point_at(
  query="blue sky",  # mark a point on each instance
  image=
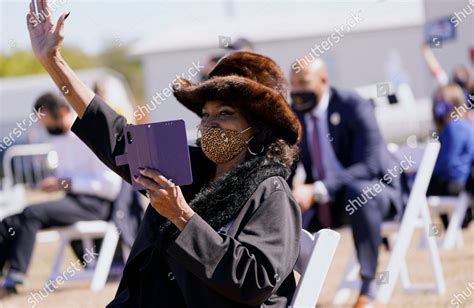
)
(93, 24)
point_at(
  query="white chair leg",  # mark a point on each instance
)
(55, 270)
(399, 250)
(451, 238)
(459, 241)
(434, 252)
(106, 255)
(88, 245)
(404, 276)
(350, 281)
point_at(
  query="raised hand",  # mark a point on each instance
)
(46, 37)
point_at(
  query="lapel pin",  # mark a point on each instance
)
(335, 118)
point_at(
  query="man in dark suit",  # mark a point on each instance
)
(347, 165)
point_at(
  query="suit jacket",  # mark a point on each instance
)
(357, 143)
(248, 264)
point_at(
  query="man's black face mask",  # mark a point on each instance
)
(460, 82)
(55, 130)
(303, 101)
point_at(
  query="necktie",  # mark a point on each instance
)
(319, 216)
(316, 153)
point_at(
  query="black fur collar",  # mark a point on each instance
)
(223, 199)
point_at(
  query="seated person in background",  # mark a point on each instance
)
(457, 143)
(344, 157)
(90, 189)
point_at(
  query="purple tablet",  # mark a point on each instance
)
(162, 146)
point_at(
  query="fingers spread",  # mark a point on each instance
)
(40, 5)
(29, 24)
(44, 13)
(44, 5)
(32, 7)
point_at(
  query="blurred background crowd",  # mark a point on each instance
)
(411, 61)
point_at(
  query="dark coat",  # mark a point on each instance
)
(358, 146)
(248, 263)
(127, 213)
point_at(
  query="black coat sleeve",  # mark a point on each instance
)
(249, 268)
(101, 129)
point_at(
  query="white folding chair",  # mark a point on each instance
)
(12, 200)
(87, 231)
(456, 208)
(416, 215)
(22, 166)
(316, 254)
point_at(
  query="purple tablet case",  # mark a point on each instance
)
(162, 146)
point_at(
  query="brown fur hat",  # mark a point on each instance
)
(253, 83)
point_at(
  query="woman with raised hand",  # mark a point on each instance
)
(231, 238)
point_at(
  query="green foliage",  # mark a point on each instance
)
(20, 63)
(117, 59)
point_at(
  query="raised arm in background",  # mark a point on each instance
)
(433, 64)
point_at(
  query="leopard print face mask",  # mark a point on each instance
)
(221, 145)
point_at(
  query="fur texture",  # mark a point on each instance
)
(249, 81)
(223, 200)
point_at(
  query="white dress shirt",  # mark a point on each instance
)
(87, 173)
(329, 160)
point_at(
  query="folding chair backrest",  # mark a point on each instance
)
(423, 175)
(25, 163)
(316, 254)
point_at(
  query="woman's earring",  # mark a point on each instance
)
(253, 153)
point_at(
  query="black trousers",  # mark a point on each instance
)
(18, 232)
(366, 220)
(440, 187)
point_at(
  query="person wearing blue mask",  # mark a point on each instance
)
(457, 143)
